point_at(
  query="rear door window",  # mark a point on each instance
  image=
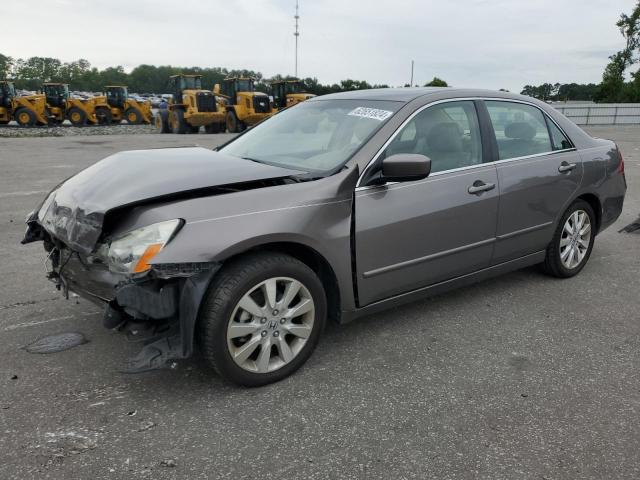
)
(520, 129)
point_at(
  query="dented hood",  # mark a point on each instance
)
(74, 212)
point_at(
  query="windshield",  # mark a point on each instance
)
(313, 136)
(245, 86)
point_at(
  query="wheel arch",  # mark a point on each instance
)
(594, 201)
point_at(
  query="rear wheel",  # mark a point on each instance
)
(162, 122)
(25, 117)
(177, 121)
(77, 117)
(104, 116)
(262, 318)
(569, 251)
(133, 116)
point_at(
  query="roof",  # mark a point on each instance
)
(408, 94)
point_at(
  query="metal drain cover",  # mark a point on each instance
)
(56, 343)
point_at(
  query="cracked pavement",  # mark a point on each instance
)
(521, 376)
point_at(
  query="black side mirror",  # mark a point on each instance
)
(404, 167)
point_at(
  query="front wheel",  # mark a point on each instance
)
(569, 251)
(262, 318)
(133, 116)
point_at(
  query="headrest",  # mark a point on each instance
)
(520, 131)
(445, 137)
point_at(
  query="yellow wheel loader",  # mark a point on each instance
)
(28, 110)
(116, 105)
(245, 106)
(190, 108)
(61, 106)
(287, 93)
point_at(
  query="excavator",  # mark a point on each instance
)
(116, 105)
(190, 108)
(245, 106)
(28, 111)
(61, 106)
(287, 93)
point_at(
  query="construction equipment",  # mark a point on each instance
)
(116, 105)
(246, 107)
(60, 105)
(27, 110)
(287, 93)
(191, 108)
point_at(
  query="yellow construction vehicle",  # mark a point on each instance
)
(28, 110)
(116, 105)
(190, 108)
(245, 106)
(287, 93)
(60, 105)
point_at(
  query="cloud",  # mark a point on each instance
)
(481, 43)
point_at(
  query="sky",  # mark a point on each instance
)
(469, 43)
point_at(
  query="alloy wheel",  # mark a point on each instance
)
(575, 239)
(270, 324)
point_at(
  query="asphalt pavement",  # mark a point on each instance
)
(519, 377)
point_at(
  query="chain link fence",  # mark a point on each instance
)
(601, 113)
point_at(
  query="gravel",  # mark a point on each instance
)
(70, 131)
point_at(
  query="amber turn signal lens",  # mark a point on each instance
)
(149, 253)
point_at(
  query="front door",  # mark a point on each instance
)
(413, 234)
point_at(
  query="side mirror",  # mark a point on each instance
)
(404, 167)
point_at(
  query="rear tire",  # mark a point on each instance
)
(133, 116)
(162, 122)
(572, 243)
(77, 117)
(25, 117)
(177, 121)
(284, 343)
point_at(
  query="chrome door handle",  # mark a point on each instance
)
(479, 186)
(566, 167)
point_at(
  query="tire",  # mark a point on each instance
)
(104, 116)
(177, 122)
(221, 308)
(162, 122)
(24, 117)
(212, 128)
(233, 124)
(77, 117)
(560, 261)
(133, 116)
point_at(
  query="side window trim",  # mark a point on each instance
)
(550, 121)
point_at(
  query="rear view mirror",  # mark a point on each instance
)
(404, 167)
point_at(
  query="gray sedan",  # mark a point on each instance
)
(338, 207)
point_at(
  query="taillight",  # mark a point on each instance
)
(621, 165)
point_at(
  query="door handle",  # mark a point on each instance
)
(566, 167)
(479, 186)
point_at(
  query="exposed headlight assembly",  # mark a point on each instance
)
(132, 252)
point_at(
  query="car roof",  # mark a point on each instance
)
(407, 94)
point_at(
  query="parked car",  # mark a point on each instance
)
(338, 207)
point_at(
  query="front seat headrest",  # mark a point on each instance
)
(445, 137)
(520, 131)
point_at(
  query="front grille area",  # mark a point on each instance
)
(261, 104)
(206, 102)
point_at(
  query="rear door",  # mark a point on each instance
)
(538, 173)
(413, 234)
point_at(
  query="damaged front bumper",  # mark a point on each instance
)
(165, 300)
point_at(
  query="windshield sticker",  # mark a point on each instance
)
(373, 113)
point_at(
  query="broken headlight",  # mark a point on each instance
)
(132, 252)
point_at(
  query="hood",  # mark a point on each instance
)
(74, 212)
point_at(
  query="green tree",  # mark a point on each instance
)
(6, 66)
(436, 82)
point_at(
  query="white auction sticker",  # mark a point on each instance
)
(373, 113)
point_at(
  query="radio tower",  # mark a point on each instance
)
(296, 34)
